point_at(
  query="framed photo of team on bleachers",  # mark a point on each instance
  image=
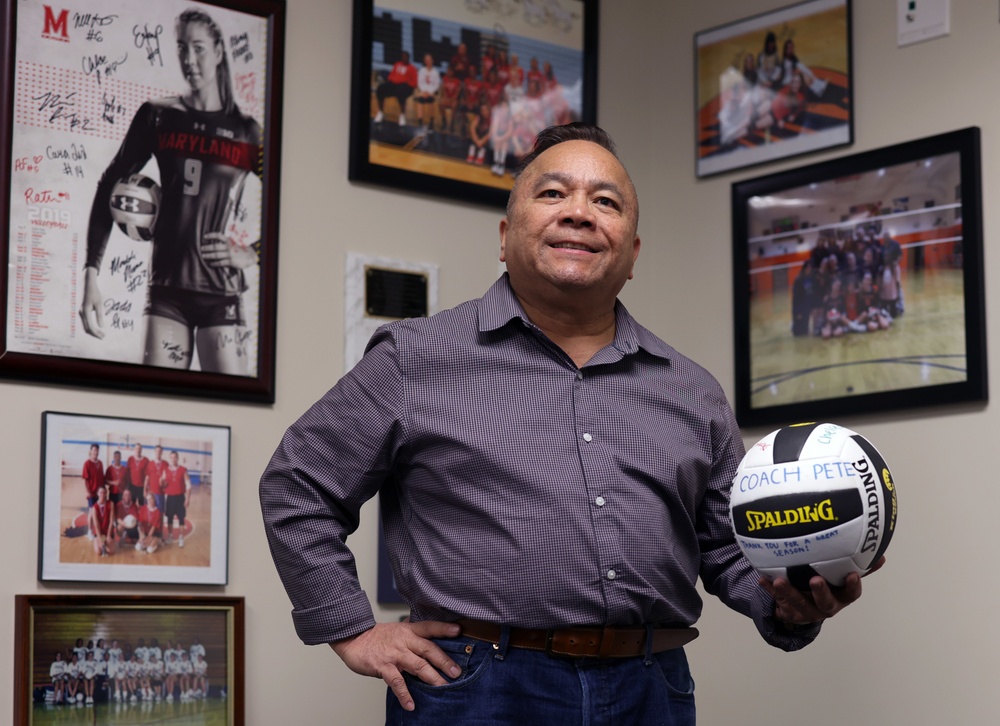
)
(132, 659)
(858, 284)
(775, 85)
(140, 211)
(133, 500)
(448, 96)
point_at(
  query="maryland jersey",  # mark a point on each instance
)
(203, 158)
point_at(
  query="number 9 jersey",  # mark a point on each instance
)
(203, 158)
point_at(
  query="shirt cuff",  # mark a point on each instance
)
(334, 621)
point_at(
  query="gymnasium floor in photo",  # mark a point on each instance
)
(203, 712)
(925, 346)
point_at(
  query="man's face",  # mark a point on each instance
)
(138, 450)
(118, 457)
(572, 223)
(159, 452)
(93, 453)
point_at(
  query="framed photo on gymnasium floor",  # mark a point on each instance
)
(858, 283)
(163, 514)
(775, 85)
(446, 97)
(204, 634)
(139, 201)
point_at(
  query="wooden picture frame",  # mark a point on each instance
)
(141, 207)
(48, 624)
(184, 469)
(434, 157)
(910, 216)
(774, 85)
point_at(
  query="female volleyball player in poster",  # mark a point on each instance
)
(204, 147)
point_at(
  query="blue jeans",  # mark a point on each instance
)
(518, 687)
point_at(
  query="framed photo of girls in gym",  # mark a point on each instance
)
(775, 85)
(133, 500)
(133, 659)
(858, 284)
(448, 96)
(141, 208)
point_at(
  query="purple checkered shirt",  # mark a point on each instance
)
(515, 487)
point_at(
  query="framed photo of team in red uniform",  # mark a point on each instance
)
(859, 284)
(448, 96)
(775, 85)
(128, 659)
(139, 200)
(133, 500)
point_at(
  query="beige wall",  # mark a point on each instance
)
(921, 648)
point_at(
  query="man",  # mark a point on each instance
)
(150, 539)
(101, 525)
(154, 476)
(400, 84)
(137, 466)
(124, 508)
(177, 487)
(93, 478)
(553, 479)
(114, 478)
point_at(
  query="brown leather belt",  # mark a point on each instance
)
(606, 642)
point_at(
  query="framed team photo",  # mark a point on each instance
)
(448, 95)
(128, 659)
(133, 500)
(139, 197)
(775, 85)
(858, 284)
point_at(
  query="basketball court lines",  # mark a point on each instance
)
(770, 383)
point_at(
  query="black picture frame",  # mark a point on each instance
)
(745, 115)
(795, 356)
(79, 73)
(435, 163)
(48, 624)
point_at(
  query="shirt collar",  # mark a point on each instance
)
(499, 306)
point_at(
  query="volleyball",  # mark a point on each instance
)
(129, 521)
(135, 202)
(813, 499)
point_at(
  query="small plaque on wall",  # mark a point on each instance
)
(395, 294)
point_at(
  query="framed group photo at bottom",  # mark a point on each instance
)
(133, 500)
(162, 659)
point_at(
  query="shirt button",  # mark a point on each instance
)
(599, 501)
(612, 574)
(579, 375)
(588, 437)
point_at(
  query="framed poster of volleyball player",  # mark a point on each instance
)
(447, 96)
(128, 659)
(858, 283)
(133, 500)
(774, 85)
(139, 197)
